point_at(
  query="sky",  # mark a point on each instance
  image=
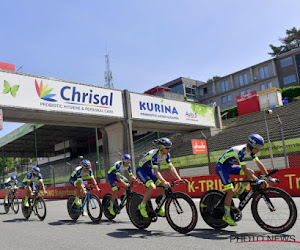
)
(149, 42)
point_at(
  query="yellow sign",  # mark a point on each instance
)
(266, 91)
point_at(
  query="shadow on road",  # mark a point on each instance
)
(70, 222)
(142, 234)
(19, 220)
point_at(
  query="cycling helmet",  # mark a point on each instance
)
(255, 141)
(164, 142)
(126, 158)
(13, 177)
(36, 170)
(86, 163)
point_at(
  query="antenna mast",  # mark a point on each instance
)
(108, 73)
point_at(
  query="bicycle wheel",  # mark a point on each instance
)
(211, 214)
(181, 212)
(73, 210)
(106, 203)
(94, 208)
(134, 213)
(40, 208)
(6, 205)
(274, 210)
(15, 204)
(26, 210)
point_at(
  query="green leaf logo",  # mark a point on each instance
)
(13, 90)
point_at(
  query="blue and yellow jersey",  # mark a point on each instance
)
(79, 173)
(153, 158)
(9, 184)
(30, 177)
(118, 167)
(236, 156)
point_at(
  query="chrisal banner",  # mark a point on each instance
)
(196, 187)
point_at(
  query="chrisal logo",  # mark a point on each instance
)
(199, 147)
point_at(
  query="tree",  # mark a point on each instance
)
(215, 78)
(290, 42)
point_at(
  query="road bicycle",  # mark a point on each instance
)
(272, 208)
(93, 203)
(36, 205)
(124, 201)
(180, 210)
(12, 202)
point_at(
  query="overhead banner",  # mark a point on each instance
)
(1, 119)
(159, 109)
(27, 91)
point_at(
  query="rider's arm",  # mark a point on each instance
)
(43, 186)
(159, 176)
(174, 172)
(261, 166)
(95, 183)
(120, 180)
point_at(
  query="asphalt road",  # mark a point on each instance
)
(59, 231)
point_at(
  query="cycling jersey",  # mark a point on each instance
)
(9, 184)
(78, 173)
(150, 161)
(230, 163)
(115, 170)
(31, 178)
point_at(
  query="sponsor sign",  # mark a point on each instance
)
(247, 103)
(246, 96)
(30, 92)
(199, 147)
(159, 109)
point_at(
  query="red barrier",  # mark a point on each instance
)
(289, 181)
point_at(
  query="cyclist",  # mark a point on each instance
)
(148, 173)
(114, 175)
(232, 162)
(28, 183)
(10, 184)
(84, 170)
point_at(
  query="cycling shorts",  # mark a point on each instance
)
(223, 171)
(74, 181)
(112, 178)
(147, 176)
(31, 185)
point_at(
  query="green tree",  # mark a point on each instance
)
(215, 78)
(290, 42)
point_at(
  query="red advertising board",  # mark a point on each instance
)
(1, 119)
(247, 103)
(199, 147)
(7, 66)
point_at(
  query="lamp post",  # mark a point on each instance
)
(283, 143)
(269, 111)
(35, 143)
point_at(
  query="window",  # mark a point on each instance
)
(286, 62)
(229, 98)
(243, 79)
(289, 79)
(248, 90)
(223, 99)
(190, 90)
(242, 92)
(204, 91)
(264, 72)
(178, 89)
(269, 85)
(224, 86)
(262, 87)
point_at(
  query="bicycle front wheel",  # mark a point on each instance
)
(274, 210)
(15, 204)
(6, 206)
(181, 212)
(40, 208)
(94, 208)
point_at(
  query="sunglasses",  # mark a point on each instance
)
(167, 148)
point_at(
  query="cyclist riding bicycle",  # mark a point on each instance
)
(232, 162)
(28, 183)
(148, 173)
(10, 184)
(114, 175)
(84, 170)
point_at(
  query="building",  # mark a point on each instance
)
(279, 72)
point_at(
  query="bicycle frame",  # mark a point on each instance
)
(86, 198)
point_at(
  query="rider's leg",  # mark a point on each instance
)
(27, 194)
(79, 187)
(142, 207)
(6, 195)
(243, 184)
(227, 204)
(112, 200)
(161, 211)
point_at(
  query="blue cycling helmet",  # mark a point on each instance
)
(86, 163)
(164, 142)
(36, 170)
(13, 177)
(126, 158)
(255, 141)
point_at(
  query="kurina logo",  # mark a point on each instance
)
(158, 108)
(12, 89)
(43, 92)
